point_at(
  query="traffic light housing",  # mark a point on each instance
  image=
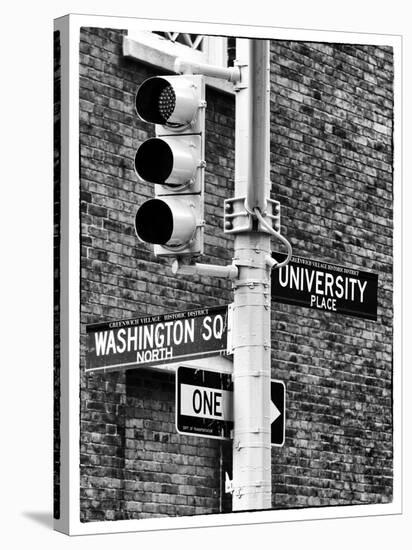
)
(174, 162)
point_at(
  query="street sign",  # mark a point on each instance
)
(156, 340)
(204, 405)
(277, 412)
(325, 286)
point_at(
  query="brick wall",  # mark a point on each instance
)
(331, 169)
(331, 145)
(134, 464)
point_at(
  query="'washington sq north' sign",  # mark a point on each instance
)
(325, 286)
(158, 339)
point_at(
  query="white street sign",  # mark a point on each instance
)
(201, 402)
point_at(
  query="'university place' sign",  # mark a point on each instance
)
(325, 286)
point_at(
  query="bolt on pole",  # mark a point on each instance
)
(251, 306)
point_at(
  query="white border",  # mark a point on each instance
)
(70, 512)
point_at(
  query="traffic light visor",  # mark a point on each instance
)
(170, 161)
(168, 222)
(154, 222)
(154, 160)
(172, 102)
(156, 100)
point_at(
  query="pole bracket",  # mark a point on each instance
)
(241, 84)
(208, 270)
(237, 218)
(186, 66)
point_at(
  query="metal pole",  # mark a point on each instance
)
(251, 308)
(258, 188)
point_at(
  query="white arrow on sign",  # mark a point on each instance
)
(274, 412)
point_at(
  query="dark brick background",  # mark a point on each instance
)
(332, 171)
(331, 161)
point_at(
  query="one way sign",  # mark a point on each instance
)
(204, 405)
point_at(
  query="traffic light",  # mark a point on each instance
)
(174, 162)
